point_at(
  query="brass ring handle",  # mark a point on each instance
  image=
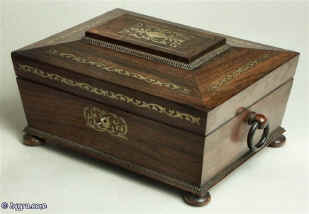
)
(257, 121)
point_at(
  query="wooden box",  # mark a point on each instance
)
(174, 103)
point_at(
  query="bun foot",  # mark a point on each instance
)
(30, 140)
(196, 201)
(278, 142)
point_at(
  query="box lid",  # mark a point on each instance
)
(153, 38)
(148, 66)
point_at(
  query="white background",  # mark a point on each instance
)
(274, 181)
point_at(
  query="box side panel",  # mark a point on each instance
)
(253, 93)
(228, 143)
(167, 151)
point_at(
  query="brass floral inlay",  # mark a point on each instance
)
(103, 121)
(110, 94)
(157, 35)
(119, 71)
(229, 77)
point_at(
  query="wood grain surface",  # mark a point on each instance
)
(153, 145)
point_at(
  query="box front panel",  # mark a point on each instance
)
(71, 80)
(228, 143)
(163, 149)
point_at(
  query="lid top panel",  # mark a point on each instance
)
(155, 37)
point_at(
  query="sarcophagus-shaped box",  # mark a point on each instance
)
(174, 103)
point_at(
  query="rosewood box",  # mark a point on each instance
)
(177, 104)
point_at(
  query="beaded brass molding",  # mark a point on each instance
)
(160, 59)
(229, 77)
(103, 121)
(157, 35)
(110, 94)
(120, 71)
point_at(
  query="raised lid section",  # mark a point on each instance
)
(156, 38)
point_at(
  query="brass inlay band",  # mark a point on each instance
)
(155, 34)
(229, 77)
(110, 94)
(120, 71)
(103, 121)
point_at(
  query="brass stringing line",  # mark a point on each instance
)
(111, 95)
(219, 83)
(119, 71)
